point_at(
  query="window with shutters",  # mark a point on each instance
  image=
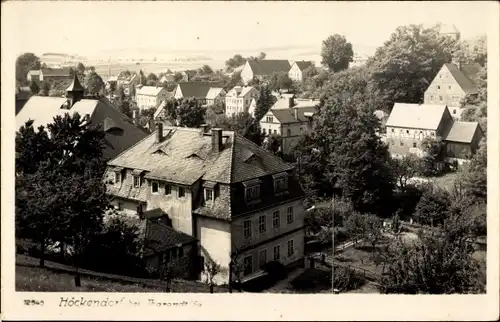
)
(276, 219)
(262, 224)
(289, 215)
(247, 229)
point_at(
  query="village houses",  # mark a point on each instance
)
(48, 74)
(290, 118)
(452, 83)
(150, 96)
(261, 69)
(241, 99)
(206, 93)
(240, 203)
(128, 83)
(120, 132)
(409, 125)
(296, 72)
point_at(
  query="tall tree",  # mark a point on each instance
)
(190, 113)
(94, 83)
(206, 70)
(432, 209)
(272, 144)
(336, 53)
(264, 102)
(25, 63)
(235, 61)
(152, 77)
(406, 64)
(34, 87)
(405, 169)
(80, 68)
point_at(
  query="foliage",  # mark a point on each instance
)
(432, 209)
(279, 81)
(272, 143)
(405, 168)
(343, 150)
(34, 87)
(433, 149)
(472, 177)
(234, 80)
(61, 195)
(25, 63)
(80, 68)
(475, 106)
(206, 70)
(177, 77)
(152, 77)
(148, 112)
(336, 53)
(94, 83)
(235, 61)
(406, 64)
(186, 112)
(264, 102)
(212, 269)
(44, 88)
(439, 263)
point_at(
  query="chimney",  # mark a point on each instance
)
(290, 102)
(159, 132)
(135, 116)
(216, 140)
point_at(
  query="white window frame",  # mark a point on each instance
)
(118, 177)
(262, 223)
(157, 187)
(276, 219)
(206, 192)
(289, 215)
(288, 243)
(247, 231)
(276, 247)
(137, 185)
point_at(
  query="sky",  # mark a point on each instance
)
(100, 28)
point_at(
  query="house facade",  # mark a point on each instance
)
(150, 96)
(289, 118)
(409, 125)
(128, 83)
(240, 99)
(205, 93)
(240, 203)
(296, 71)
(452, 84)
(261, 69)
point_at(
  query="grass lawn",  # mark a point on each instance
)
(445, 181)
(55, 278)
(362, 256)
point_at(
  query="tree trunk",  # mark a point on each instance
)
(78, 282)
(211, 287)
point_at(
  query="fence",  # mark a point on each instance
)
(366, 274)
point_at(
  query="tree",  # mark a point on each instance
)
(272, 143)
(80, 68)
(142, 78)
(336, 53)
(433, 152)
(152, 77)
(44, 88)
(25, 63)
(432, 209)
(344, 152)
(405, 169)
(64, 197)
(206, 70)
(177, 77)
(439, 263)
(34, 87)
(264, 102)
(472, 177)
(94, 83)
(189, 113)
(245, 125)
(112, 88)
(234, 80)
(236, 61)
(124, 107)
(149, 112)
(407, 63)
(212, 269)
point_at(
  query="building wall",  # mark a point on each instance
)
(178, 209)
(215, 244)
(445, 90)
(126, 206)
(235, 104)
(237, 225)
(401, 140)
(295, 73)
(246, 73)
(298, 246)
(291, 138)
(273, 126)
(182, 264)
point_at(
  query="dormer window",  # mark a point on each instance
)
(280, 182)
(209, 194)
(252, 191)
(137, 181)
(118, 174)
(209, 191)
(137, 174)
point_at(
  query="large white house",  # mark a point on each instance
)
(205, 93)
(241, 99)
(239, 202)
(150, 96)
(296, 72)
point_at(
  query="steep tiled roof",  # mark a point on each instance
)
(185, 156)
(303, 64)
(75, 85)
(159, 237)
(149, 90)
(197, 90)
(269, 66)
(462, 132)
(42, 111)
(417, 116)
(55, 72)
(285, 114)
(463, 81)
